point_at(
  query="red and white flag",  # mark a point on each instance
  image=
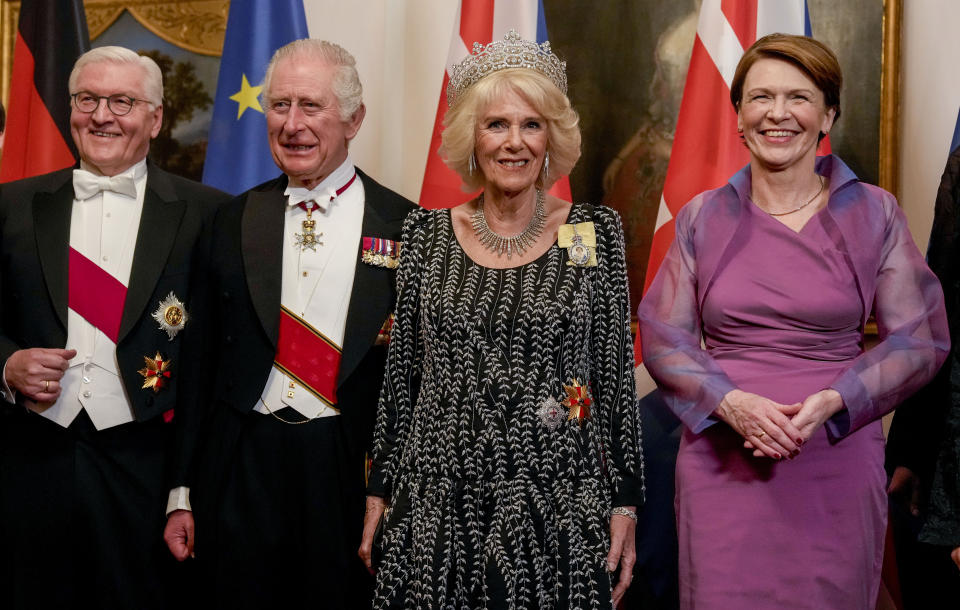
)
(707, 150)
(477, 21)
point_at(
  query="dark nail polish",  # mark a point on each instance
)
(799, 441)
(778, 456)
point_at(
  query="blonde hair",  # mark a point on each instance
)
(563, 124)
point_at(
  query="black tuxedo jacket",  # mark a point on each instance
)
(34, 249)
(238, 314)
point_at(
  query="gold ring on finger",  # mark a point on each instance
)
(761, 434)
(46, 385)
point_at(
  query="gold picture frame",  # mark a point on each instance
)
(889, 169)
(195, 25)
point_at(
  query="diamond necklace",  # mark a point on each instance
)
(796, 209)
(498, 244)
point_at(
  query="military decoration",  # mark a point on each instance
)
(577, 401)
(383, 337)
(309, 239)
(381, 252)
(580, 240)
(156, 374)
(171, 315)
(551, 413)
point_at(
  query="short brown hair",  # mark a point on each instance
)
(812, 57)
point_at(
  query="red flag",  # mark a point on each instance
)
(51, 34)
(477, 21)
(707, 150)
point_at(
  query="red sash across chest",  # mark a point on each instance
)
(95, 295)
(304, 354)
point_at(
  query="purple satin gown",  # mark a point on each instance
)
(782, 319)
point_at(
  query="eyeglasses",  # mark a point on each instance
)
(118, 104)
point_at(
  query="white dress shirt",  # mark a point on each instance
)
(316, 285)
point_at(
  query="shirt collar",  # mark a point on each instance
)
(326, 191)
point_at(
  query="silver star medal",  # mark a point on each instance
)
(551, 413)
(171, 315)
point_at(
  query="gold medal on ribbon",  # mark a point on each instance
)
(171, 315)
(309, 239)
(380, 252)
(580, 240)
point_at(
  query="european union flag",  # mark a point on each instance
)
(238, 153)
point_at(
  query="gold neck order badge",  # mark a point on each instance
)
(309, 239)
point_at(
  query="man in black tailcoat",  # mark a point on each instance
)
(94, 279)
(295, 301)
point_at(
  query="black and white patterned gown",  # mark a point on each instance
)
(491, 508)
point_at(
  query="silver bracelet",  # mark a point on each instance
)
(623, 511)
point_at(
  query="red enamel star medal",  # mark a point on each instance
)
(578, 401)
(156, 374)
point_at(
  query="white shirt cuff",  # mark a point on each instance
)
(5, 392)
(179, 499)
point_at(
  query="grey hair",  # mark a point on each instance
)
(346, 81)
(153, 77)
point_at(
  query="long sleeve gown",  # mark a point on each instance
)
(498, 499)
(782, 314)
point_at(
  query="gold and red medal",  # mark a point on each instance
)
(156, 374)
(577, 401)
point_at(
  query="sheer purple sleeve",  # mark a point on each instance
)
(691, 382)
(914, 337)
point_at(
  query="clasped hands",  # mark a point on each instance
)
(773, 429)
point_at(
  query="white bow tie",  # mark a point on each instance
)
(87, 184)
(321, 196)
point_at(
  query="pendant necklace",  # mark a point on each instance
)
(796, 209)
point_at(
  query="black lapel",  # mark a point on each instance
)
(51, 225)
(371, 297)
(262, 248)
(159, 223)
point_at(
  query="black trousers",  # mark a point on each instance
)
(288, 521)
(82, 514)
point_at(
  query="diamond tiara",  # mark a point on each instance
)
(511, 52)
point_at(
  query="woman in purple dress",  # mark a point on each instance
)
(754, 332)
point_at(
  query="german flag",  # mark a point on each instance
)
(50, 36)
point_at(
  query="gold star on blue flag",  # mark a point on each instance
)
(247, 97)
(238, 153)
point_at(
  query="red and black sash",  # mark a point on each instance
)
(95, 295)
(306, 355)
